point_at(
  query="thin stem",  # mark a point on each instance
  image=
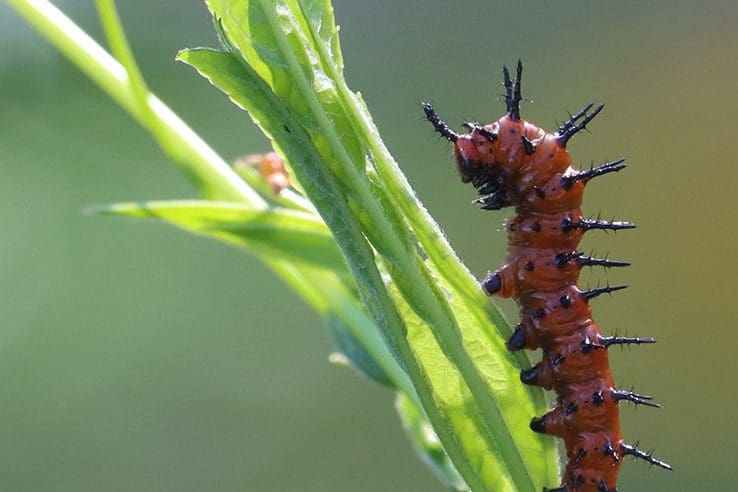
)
(121, 50)
(210, 173)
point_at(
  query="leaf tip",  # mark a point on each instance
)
(96, 209)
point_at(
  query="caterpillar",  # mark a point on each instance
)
(514, 163)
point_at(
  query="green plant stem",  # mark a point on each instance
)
(121, 50)
(412, 278)
(210, 173)
(427, 231)
(425, 228)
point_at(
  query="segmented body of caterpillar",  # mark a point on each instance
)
(512, 162)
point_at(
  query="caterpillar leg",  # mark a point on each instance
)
(500, 283)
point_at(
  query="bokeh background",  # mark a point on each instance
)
(135, 357)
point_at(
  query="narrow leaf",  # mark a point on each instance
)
(355, 353)
(426, 443)
(277, 232)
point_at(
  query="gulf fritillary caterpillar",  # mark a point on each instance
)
(512, 162)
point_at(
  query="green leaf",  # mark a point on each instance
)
(426, 443)
(238, 81)
(359, 358)
(319, 15)
(302, 239)
(275, 58)
(512, 408)
(278, 233)
(328, 295)
(466, 380)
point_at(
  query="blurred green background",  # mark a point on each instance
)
(135, 357)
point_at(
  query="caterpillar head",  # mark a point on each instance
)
(474, 151)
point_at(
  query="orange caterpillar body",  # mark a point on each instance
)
(515, 163)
